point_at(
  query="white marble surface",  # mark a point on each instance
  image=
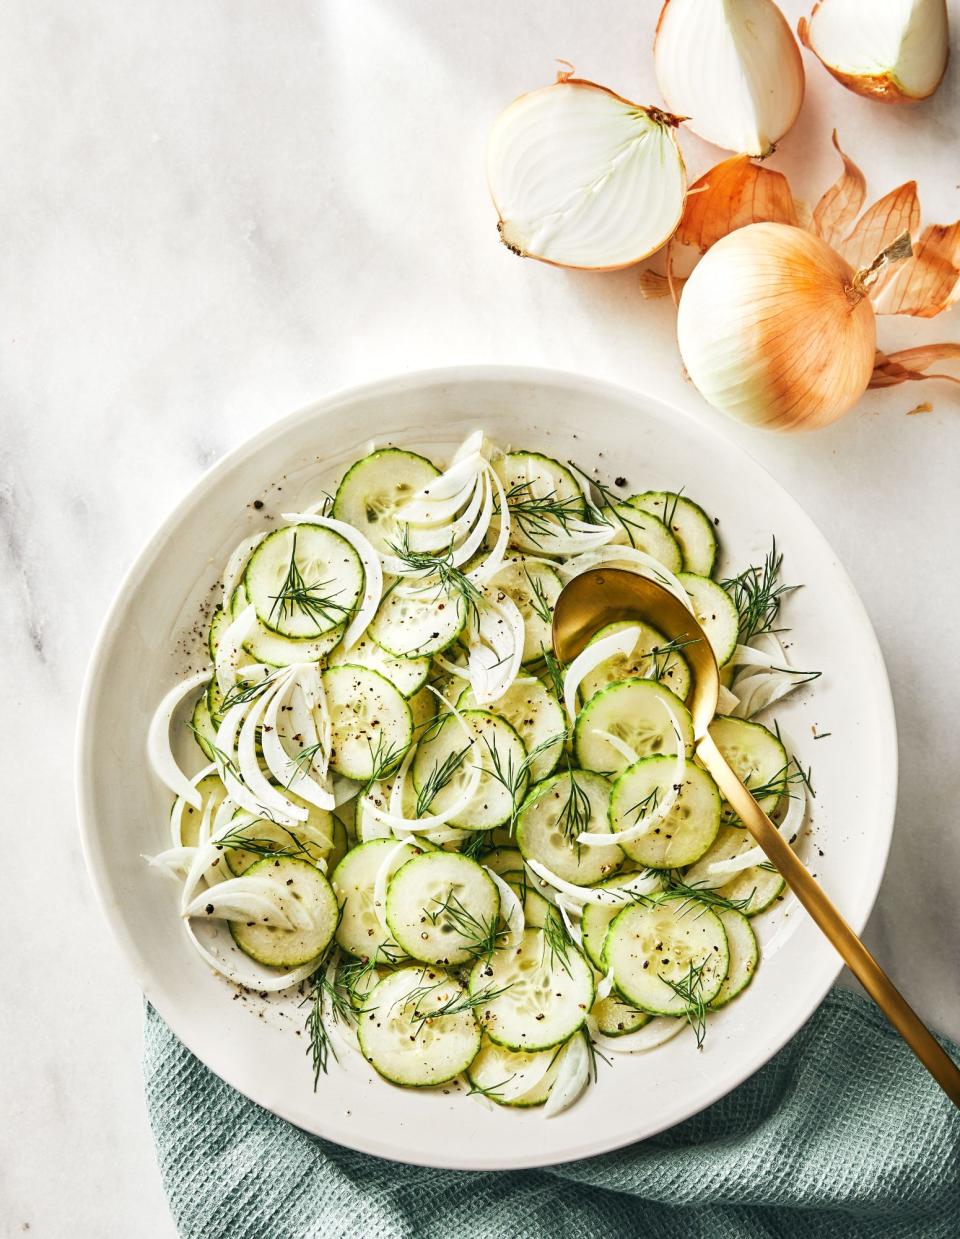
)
(211, 214)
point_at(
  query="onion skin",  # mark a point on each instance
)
(773, 330)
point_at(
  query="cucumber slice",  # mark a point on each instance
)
(535, 588)
(442, 908)
(689, 524)
(341, 845)
(407, 674)
(756, 888)
(555, 812)
(756, 755)
(219, 621)
(375, 488)
(407, 1037)
(304, 580)
(203, 726)
(645, 662)
(716, 613)
(495, 742)
(360, 932)
(539, 996)
(265, 646)
(646, 532)
(596, 921)
(536, 716)
(372, 726)
(633, 711)
(744, 955)
(615, 1017)
(689, 828)
(528, 477)
(511, 1077)
(418, 625)
(288, 948)
(674, 938)
(315, 838)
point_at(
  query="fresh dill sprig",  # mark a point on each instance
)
(670, 506)
(440, 566)
(304, 760)
(778, 784)
(480, 936)
(757, 595)
(556, 944)
(439, 777)
(595, 1053)
(538, 598)
(612, 508)
(489, 1090)
(576, 810)
(645, 806)
(295, 594)
(689, 989)
(476, 845)
(222, 759)
(511, 776)
(660, 655)
(675, 886)
(319, 1045)
(384, 760)
(460, 1000)
(538, 516)
(259, 845)
(554, 671)
(244, 692)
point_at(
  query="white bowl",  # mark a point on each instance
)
(146, 644)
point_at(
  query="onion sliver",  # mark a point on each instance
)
(248, 899)
(573, 1076)
(622, 642)
(631, 560)
(608, 897)
(250, 975)
(790, 827)
(159, 752)
(253, 776)
(658, 1031)
(284, 768)
(176, 813)
(511, 910)
(644, 824)
(236, 565)
(372, 571)
(230, 648)
(581, 177)
(380, 885)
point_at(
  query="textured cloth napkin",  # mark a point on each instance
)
(841, 1136)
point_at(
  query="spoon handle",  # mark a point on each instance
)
(813, 897)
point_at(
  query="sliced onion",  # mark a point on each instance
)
(727, 702)
(659, 1030)
(572, 928)
(236, 566)
(494, 561)
(159, 752)
(236, 787)
(662, 809)
(626, 751)
(243, 970)
(583, 178)
(609, 897)
(759, 691)
(631, 560)
(395, 818)
(573, 1076)
(494, 649)
(230, 648)
(249, 898)
(380, 886)
(511, 909)
(372, 571)
(605, 986)
(253, 776)
(279, 762)
(622, 642)
(451, 533)
(720, 870)
(175, 862)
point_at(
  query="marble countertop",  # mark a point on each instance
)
(214, 213)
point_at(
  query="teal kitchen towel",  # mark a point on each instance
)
(841, 1136)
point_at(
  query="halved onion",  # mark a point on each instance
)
(583, 178)
(895, 51)
(732, 69)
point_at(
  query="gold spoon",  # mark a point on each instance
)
(606, 595)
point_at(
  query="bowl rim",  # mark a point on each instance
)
(195, 495)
